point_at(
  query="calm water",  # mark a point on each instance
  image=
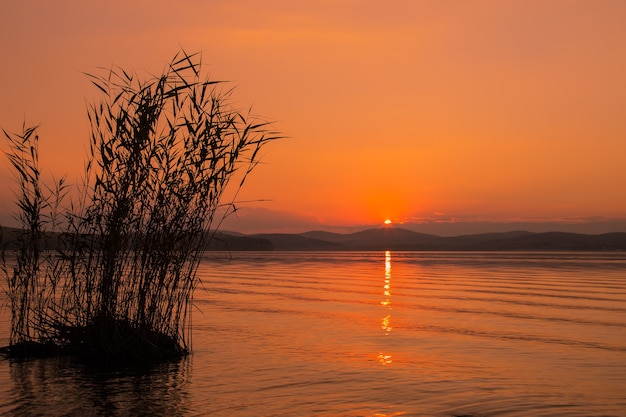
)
(371, 334)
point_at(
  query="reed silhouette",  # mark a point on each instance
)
(120, 286)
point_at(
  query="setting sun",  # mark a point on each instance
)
(387, 221)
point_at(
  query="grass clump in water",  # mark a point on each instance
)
(162, 152)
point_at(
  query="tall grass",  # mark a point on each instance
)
(30, 281)
(162, 151)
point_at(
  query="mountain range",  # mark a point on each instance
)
(395, 238)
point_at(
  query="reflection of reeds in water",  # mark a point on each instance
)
(64, 387)
(162, 152)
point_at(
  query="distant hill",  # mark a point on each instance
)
(8, 236)
(395, 238)
(281, 241)
(237, 242)
(373, 239)
(221, 241)
(556, 241)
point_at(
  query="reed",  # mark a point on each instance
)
(30, 284)
(162, 151)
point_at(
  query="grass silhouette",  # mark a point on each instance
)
(120, 288)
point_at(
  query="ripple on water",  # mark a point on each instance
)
(371, 334)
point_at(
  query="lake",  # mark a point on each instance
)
(375, 334)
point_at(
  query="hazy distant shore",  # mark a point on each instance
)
(394, 238)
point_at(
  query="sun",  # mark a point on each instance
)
(387, 221)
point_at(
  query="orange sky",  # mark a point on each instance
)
(418, 111)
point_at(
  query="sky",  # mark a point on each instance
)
(444, 116)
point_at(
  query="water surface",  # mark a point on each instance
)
(371, 334)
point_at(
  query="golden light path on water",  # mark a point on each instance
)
(385, 359)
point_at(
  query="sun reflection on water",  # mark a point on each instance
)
(387, 283)
(385, 359)
(385, 324)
